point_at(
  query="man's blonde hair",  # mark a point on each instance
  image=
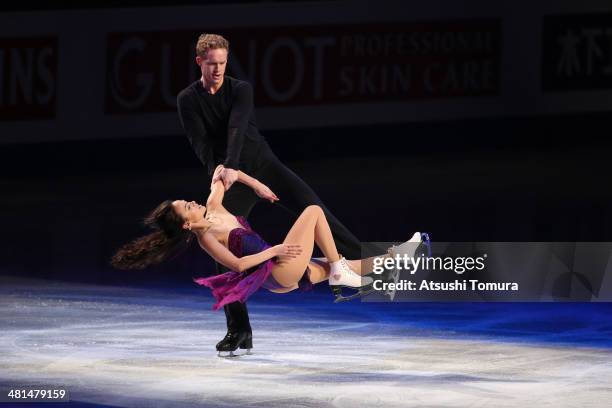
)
(210, 42)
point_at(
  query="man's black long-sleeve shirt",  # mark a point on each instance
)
(221, 126)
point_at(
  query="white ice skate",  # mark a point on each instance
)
(408, 248)
(341, 275)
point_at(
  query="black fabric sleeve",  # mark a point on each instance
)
(193, 124)
(242, 106)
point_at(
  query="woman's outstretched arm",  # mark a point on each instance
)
(248, 180)
(217, 188)
(260, 189)
(224, 256)
(215, 198)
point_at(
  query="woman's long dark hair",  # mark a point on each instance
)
(167, 240)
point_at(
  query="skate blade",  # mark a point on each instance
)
(361, 293)
(233, 355)
(336, 288)
(227, 356)
(391, 294)
(393, 277)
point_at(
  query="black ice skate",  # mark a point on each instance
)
(234, 340)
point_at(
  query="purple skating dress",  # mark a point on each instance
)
(233, 286)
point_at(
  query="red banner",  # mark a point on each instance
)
(313, 65)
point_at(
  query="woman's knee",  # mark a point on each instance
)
(314, 210)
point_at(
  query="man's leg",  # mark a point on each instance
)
(295, 195)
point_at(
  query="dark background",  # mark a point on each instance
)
(66, 206)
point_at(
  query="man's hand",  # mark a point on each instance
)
(227, 176)
(264, 192)
(217, 172)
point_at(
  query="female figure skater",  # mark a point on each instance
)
(252, 262)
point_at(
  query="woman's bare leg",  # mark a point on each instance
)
(319, 270)
(310, 227)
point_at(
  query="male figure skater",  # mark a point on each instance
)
(217, 113)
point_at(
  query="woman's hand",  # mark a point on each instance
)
(264, 192)
(287, 250)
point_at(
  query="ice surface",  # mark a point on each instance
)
(146, 347)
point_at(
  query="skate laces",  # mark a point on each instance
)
(347, 267)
